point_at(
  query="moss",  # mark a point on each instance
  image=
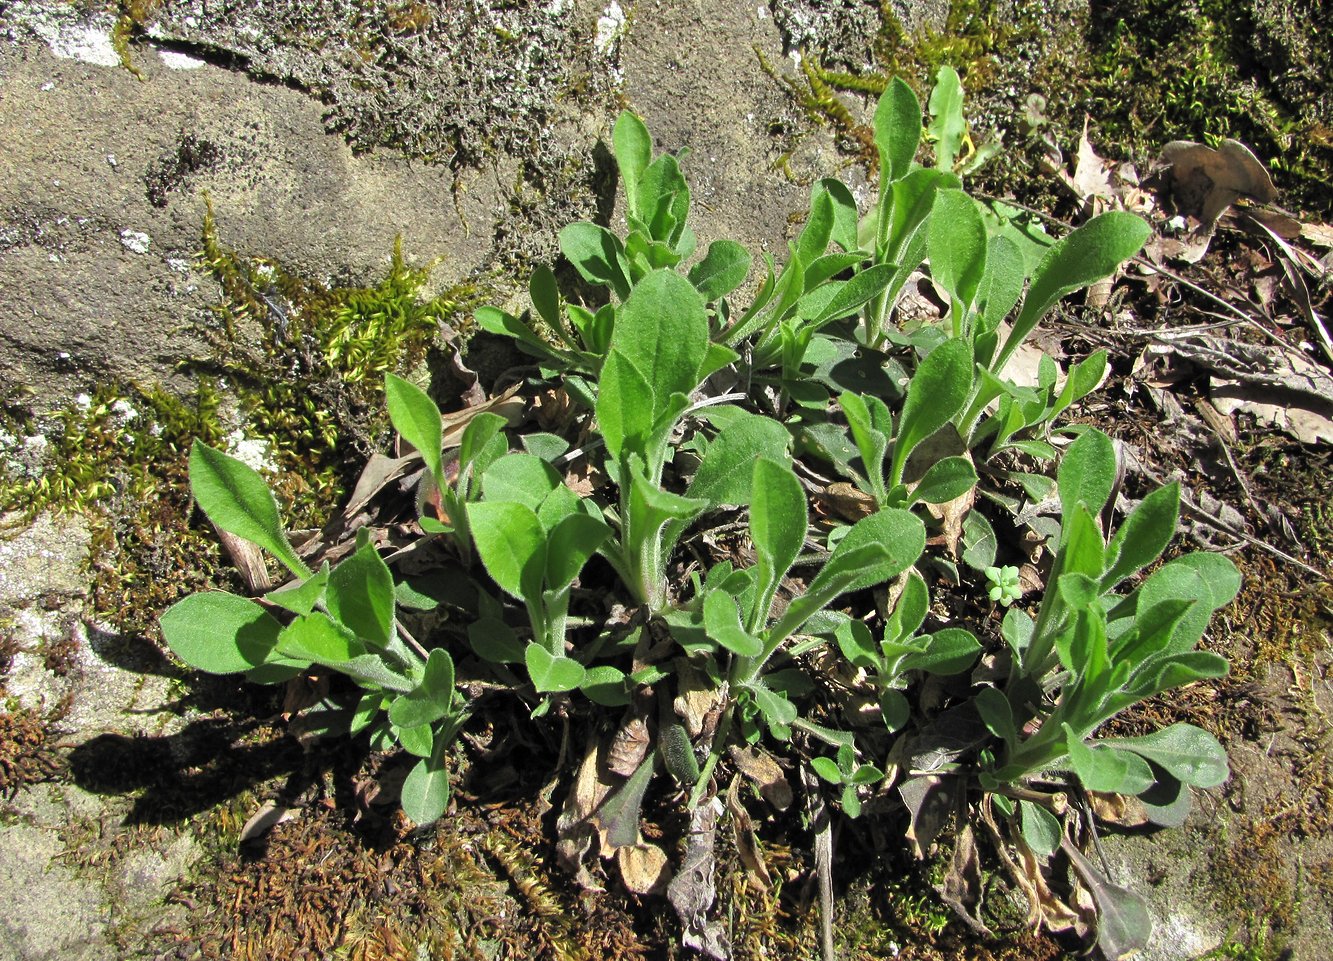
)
(1250, 877)
(26, 756)
(1143, 71)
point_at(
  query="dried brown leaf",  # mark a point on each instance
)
(1124, 811)
(930, 804)
(249, 561)
(759, 767)
(629, 745)
(1205, 181)
(962, 888)
(643, 868)
(696, 696)
(747, 845)
(575, 834)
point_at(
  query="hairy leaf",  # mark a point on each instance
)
(219, 633)
(237, 500)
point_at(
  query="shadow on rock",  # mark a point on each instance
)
(180, 775)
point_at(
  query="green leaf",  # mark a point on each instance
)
(723, 269)
(1002, 285)
(520, 478)
(899, 534)
(1017, 629)
(597, 255)
(725, 475)
(913, 199)
(946, 480)
(722, 621)
(432, 699)
(302, 598)
(369, 670)
(1143, 535)
(910, 612)
(662, 331)
(1091, 253)
(605, 685)
(996, 714)
(776, 709)
(814, 237)
(1087, 473)
(778, 519)
(504, 324)
(512, 545)
(1210, 579)
(495, 641)
(634, 151)
(546, 298)
(946, 118)
(936, 393)
(571, 543)
(957, 245)
(425, 793)
(477, 435)
(1041, 829)
(619, 815)
(360, 595)
(415, 740)
(1189, 754)
(851, 295)
(550, 674)
(875, 549)
(1106, 768)
(1078, 591)
(417, 419)
(624, 406)
(857, 644)
(897, 130)
(827, 769)
(314, 637)
(237, 500)
(844, 213)
(220, 633)
(950, 651)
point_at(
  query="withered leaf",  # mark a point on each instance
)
(1123, 921)
(747, 845)
(269, 816)
(629, 745)
(574, 832)
(692, 890)
(643, 868)
(760, 768)
(617, 819)
(961, 889)
(1204, 182)
(930, 801)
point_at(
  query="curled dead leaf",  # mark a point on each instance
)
(629, 745)
(747, 845)
(643, 868)
(1205, 181)
(1118, 809)
(759, 767)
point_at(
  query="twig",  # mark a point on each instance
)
(822, 825)
(1215, 522)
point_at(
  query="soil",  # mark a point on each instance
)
(319, 134)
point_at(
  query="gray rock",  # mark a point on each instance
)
(50, 913)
